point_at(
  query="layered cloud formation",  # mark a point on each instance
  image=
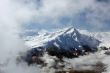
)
(15, 15)
(84, 14)
(56, 13)
(18, 15)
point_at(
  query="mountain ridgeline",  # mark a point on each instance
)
(68, 42)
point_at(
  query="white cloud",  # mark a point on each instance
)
(51, 11)
(99, 15)
(14, 14)
(54, 10)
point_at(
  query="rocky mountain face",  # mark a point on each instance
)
(65, 38)
(68, 50)
(67, 42)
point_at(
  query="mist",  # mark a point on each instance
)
(14, 16)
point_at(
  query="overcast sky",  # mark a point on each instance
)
(93, 15)
(16, 16)
(84, 14)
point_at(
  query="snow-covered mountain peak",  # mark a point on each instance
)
(65, 38)
(70, 30)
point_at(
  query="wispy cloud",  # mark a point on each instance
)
(99, 16)
(50, 13)
(15, 14)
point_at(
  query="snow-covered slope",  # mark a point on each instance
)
(104, 37)
(65, 38)
(68, 38)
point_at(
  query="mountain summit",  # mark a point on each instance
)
(65, 38)
(67, 42)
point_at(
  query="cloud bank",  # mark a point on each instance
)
(58, 13)
(16, 14)
(37, 14)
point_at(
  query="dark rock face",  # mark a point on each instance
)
(72, 53)
(60, 53)
(107, 53)
(104, 48)
(76, 71)
(106, 1)
(33, 55)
